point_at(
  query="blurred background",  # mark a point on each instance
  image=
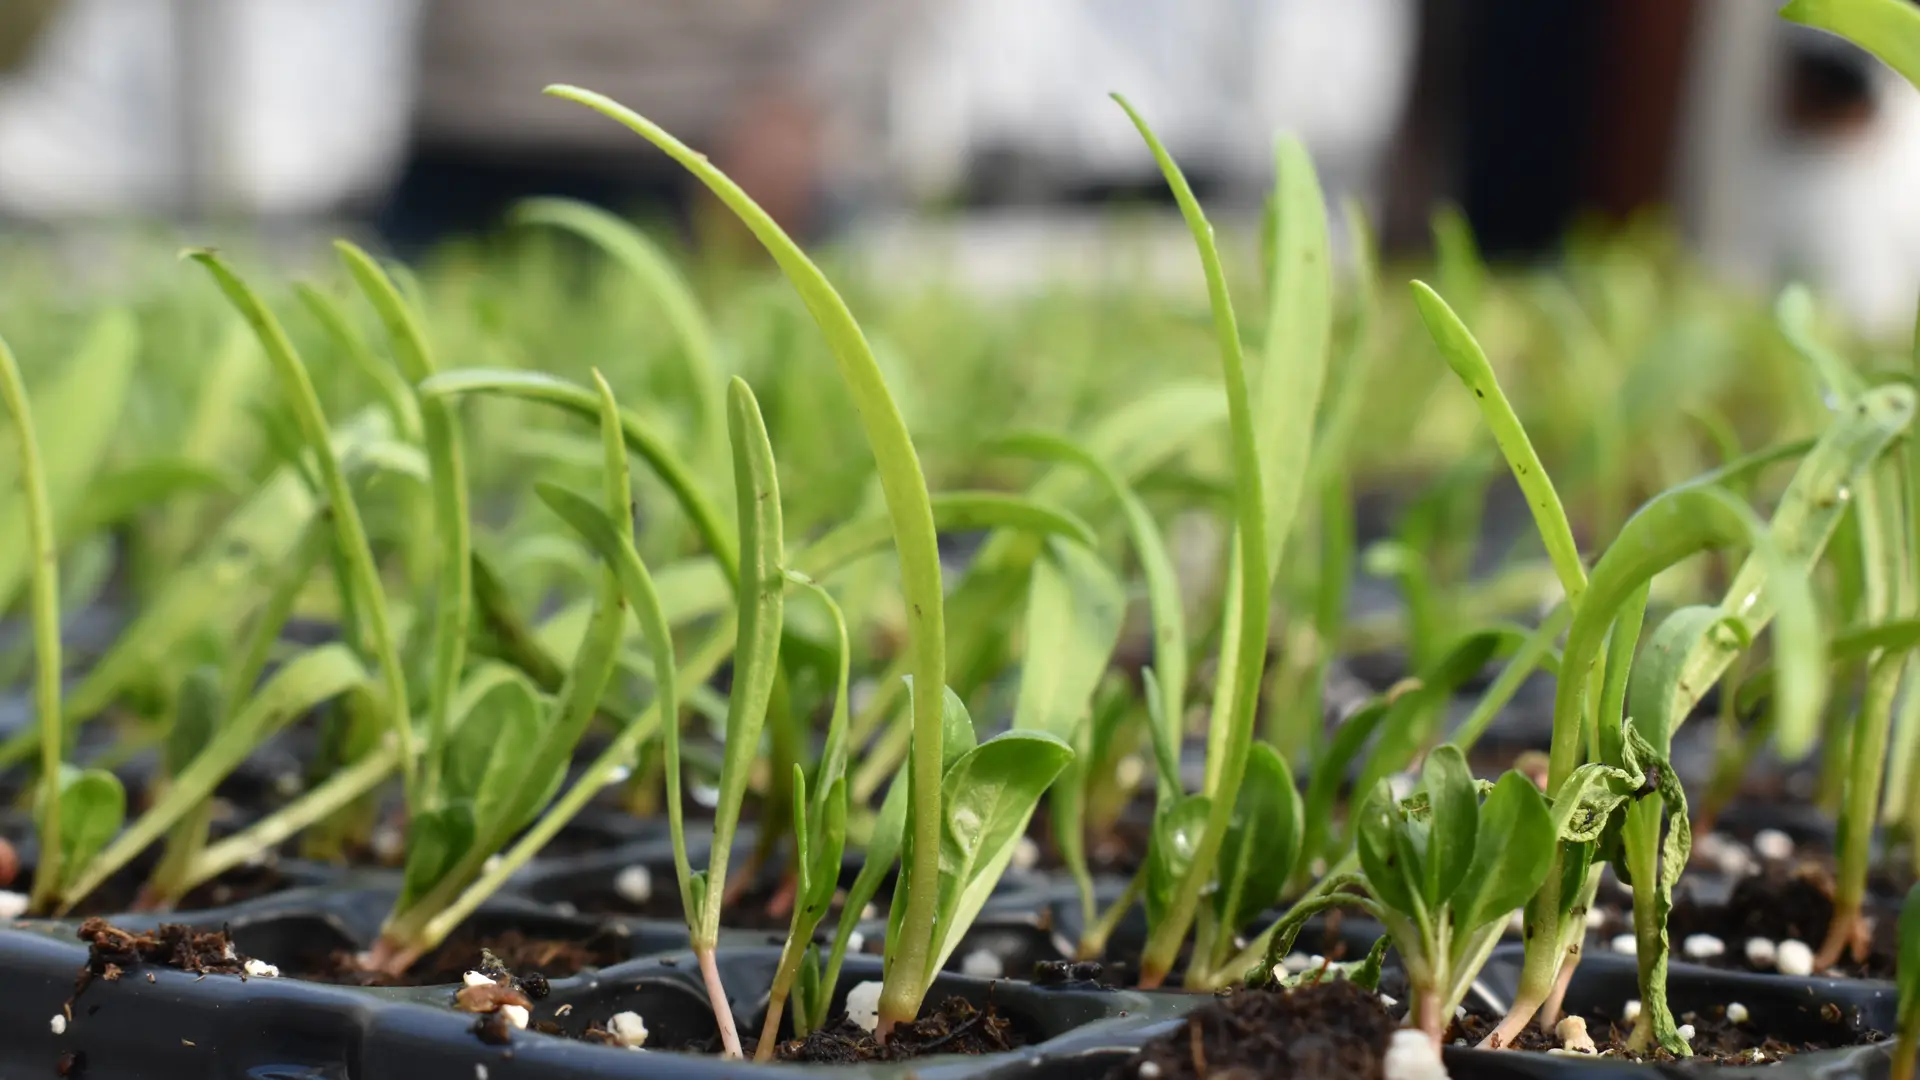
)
(976, 136)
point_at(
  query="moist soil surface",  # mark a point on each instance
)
(1716, 1039)
(1328, 1031)
(956, 1027)
(1781, 902)
(528, 957)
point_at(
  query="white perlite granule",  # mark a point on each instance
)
(1572, 1033)
(1703, 946)
(474, 978)
(1412, 1056)
(58, 1023)
(13, 904)
(1026, 854)
(1760, 952)
(1773, 844)
(1794, 958)
(1686, 1032)
(863, 1005)
(982, 964)
(1737, 1013)
(634, 884)
(1625, 945)
(628, 1029)
(1631, 1012)
(516, 1015)
(260, 969)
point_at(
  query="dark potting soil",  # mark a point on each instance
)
(956, 1027)
(1716, 1039)
(1328, 1031)
(527, 957)
(1782, 902)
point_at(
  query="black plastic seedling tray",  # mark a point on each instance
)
(168, 1023)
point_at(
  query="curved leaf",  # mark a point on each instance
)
(1262, 844)
(1511, 857)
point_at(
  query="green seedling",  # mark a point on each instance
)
(904, 488)
(1907, 1045)
(1443, 871)
(1268, 477)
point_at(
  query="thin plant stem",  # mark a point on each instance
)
(45, 591)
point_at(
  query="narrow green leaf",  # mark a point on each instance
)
(1245, 639)
(902, 483)
(640, 439)
(1299, 327)
(45, 579)
(756, 653)
(643, 258)
(1464, 356)
(363, 575)
(953, 511)
(1888, 29)
(453, 594)
(486, 751)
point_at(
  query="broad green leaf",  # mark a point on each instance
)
(1330, 770)
(315, 676)
(1512, 855)
(1454, 823)
(1262, 844)
(1170, 848)
(196, 717)
(436, 842)
(1888, 29)
(1380, 840)
(1074, 610)
(487, 751)
(1166, 610)
(988, 797)
(92, 807)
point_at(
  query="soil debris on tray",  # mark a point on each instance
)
(956, 1027)
(1332, 1030)
(533, 960)
(111, 951)
(1716, 1039)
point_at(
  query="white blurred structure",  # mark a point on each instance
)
(1835, 204)
(1217, 80)
(269, 107)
